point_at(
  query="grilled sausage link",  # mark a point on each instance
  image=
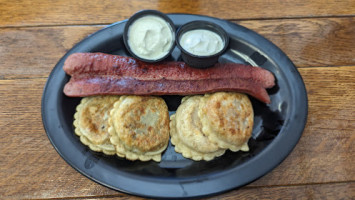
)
(104, 74)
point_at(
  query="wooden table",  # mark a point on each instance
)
(318, 36)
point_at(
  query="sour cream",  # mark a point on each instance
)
(150, 37)
(201, 42)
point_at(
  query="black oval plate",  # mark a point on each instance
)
(277, 129)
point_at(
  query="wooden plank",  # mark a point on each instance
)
(26, 52)
(33, 13)
(31, 168)
(308, 42)
(299, 192)
(311, 42)
(303, 192)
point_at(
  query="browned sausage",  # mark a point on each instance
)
(100, 74)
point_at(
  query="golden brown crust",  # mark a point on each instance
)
(203, 127)
(186, 132)
(91, 122)
(139, 127)
(227, 119)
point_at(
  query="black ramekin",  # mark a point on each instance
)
(201, 61)
(143, 13)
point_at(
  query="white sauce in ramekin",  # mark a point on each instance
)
(201, 42)
(150, 37)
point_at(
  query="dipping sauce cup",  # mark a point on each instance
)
(149, 35)
(201, 43)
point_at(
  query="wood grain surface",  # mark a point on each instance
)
(34, 12)
(317, 35)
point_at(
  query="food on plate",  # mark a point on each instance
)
(227, 119)
(204, 127)
(139, 127)
(150, 37)
(201, 42)
(186, 132)
(104, 74)
(91, 122)
(213, 117)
